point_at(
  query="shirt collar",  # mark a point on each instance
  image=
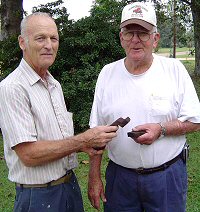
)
(32, 76)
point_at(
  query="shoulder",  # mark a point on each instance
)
(111, 68)
(114, 64)
(170, 64)
(13, 80)
(168, 60)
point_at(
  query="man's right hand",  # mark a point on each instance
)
(99, 136)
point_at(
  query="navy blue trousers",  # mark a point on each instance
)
(163, 191)
(60, 198)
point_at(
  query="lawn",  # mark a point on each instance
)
(7, 192)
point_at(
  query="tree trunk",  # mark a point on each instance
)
(11, 16)
(195, 7)
(174, 30)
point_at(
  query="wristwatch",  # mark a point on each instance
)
(163, 130)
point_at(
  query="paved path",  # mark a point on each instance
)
(178, 53)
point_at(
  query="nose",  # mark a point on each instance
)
(135, 37)
(48, 43)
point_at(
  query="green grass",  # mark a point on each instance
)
(166, 50)
(189, 65)
(7, 193)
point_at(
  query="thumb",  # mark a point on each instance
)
(103, 197)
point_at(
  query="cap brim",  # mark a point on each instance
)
(142, 23)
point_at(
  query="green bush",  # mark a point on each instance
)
(10, 55)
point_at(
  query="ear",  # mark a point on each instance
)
(22, 43)
(156, 40)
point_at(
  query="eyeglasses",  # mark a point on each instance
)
(142, 35)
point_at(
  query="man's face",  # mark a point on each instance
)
(40, 44)
(139, 47)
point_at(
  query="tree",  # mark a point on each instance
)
(174, 29)
(11, 16)
(194, 6)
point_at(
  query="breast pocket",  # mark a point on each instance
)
(68, 117)
(65, 122)
(160, 106)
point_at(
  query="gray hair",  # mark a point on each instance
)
(23, 25)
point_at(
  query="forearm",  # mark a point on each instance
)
(177, 127)
(95, 167)
(95, 184)
(42, 152)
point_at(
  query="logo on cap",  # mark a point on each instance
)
(137, 10)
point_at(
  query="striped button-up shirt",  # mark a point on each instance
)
(32, 110)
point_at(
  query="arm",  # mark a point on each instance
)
(41, 152)
(95, 184)
(177, 127)
(173, 128)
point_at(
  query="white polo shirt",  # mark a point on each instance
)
(163, 93)
(31, 110)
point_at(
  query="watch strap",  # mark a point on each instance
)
(163, 130)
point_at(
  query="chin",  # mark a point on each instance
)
(47, 63)
(137, 58)
(45, 66)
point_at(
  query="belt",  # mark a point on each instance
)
(65, 179)
(155, 169)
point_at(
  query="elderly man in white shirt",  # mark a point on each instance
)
(146, 172)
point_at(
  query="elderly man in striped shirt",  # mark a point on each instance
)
(40, 148)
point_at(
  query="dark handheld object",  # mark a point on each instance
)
(119, 122)
(136, 134)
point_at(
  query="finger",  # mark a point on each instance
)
(97, 204)
(92, 201)
(103, 197)
(111, 129)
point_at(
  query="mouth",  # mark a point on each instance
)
(136, 49)
(47, 54)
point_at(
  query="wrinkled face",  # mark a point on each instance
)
(138, 42)
(40, 44)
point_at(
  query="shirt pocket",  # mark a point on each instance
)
(160, 105)
(68, 117)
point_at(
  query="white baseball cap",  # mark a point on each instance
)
(139, 13)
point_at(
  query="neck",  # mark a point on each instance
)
(42, 73)
(138, 67)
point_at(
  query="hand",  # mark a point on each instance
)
(152, 133)
(95, 192)
(99, 136)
